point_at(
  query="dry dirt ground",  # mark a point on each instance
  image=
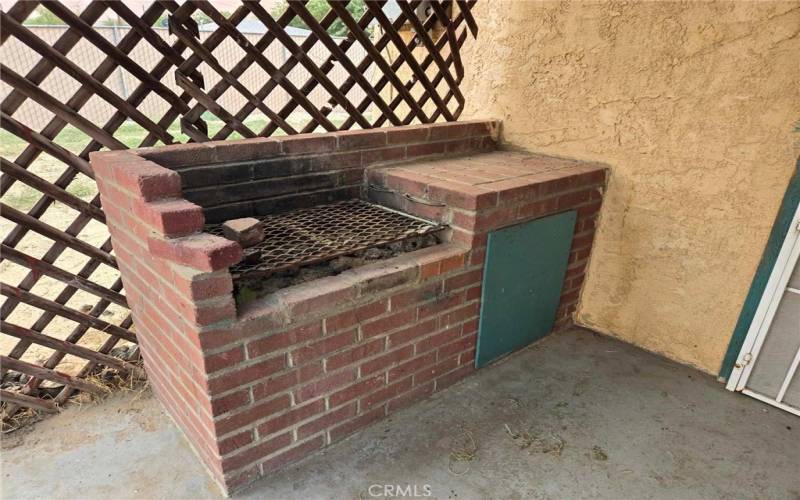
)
(577, 415)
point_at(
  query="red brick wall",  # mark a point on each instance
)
(290, 373)
(246, 400)
(328, 357)
(177, 284)
(268, 175)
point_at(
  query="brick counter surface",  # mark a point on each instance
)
(478, 194)
(257, 387)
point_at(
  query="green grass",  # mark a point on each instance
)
(22, 199)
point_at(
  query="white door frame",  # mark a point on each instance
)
(762, 319)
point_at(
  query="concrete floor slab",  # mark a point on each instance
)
(593, 418)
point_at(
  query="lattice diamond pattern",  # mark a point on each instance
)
(70, 90)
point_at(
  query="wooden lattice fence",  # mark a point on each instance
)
(64, 315)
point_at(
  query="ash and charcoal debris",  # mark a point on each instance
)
(247, 289)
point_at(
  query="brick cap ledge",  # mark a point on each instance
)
(321, 296)
(201, 251)
(212, 152)
(480, 181)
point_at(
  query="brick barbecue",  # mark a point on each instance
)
(260, 385)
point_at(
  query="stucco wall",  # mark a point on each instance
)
(694, 106)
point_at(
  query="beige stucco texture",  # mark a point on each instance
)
(694, 106)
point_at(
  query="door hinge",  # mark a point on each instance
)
(797, 225)
(746, 359)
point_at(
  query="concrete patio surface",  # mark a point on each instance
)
(577, 415)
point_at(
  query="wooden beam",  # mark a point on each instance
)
(238, 70)
(188, 85)
(265, 63)
(12, 169)
(47, 269)
(44, 67)
(35, 43)
(443, 68)
(18, 399)
(310, 21)
(298, 53)
(74, 337)
(45, 144)
(376, 56)
(64, 311)
(208, 102)
(58, 235)
(285, 69)
(408, 57)
(450, 26)
(58, 108)
(109, 344)
(380, 45)
(67, 347)
(51, 375)
(108, 48)
(424, 65)
(81, 96)
(466, 8)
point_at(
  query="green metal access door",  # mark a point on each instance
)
(523, 276)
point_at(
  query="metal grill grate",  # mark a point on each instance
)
(317, 234)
